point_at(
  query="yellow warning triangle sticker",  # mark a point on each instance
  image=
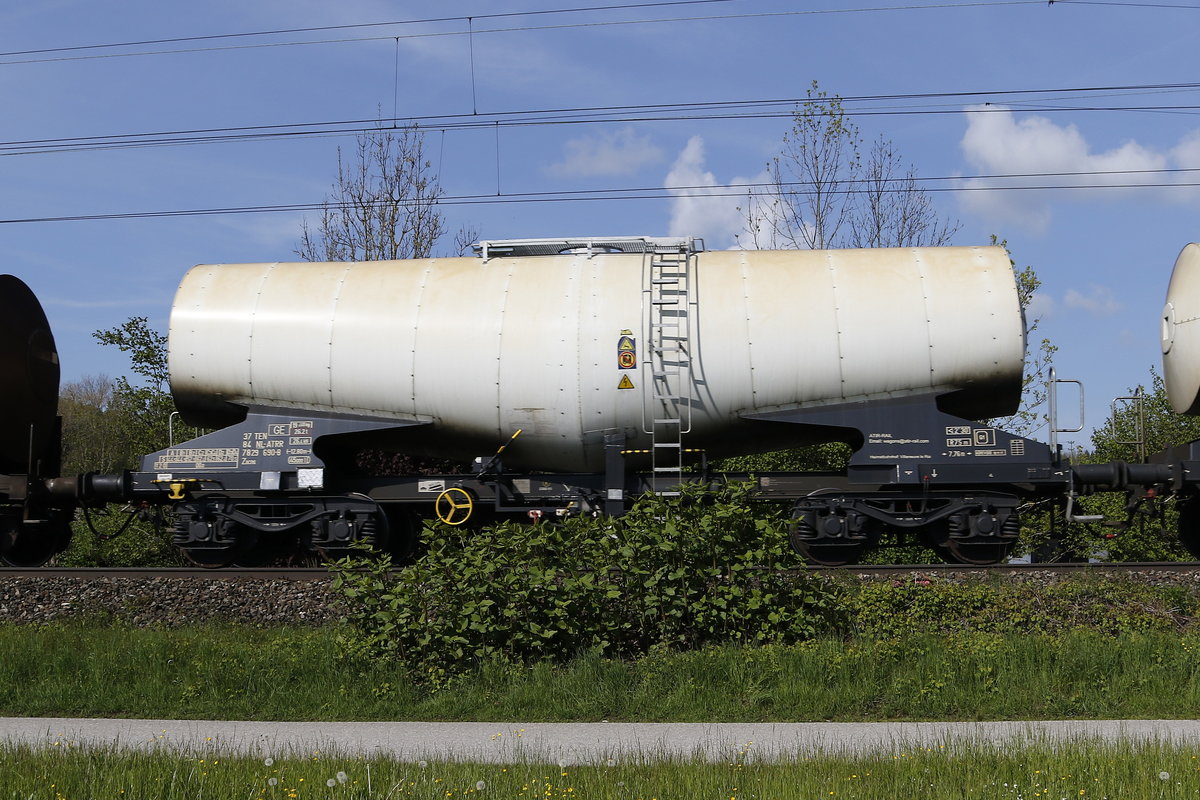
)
(625, 383)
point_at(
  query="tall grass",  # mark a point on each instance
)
(1024, 770)
(230, 672)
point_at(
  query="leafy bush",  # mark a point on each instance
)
(672, 574)
(113, 541)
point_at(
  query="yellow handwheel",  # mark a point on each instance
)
(454, 506)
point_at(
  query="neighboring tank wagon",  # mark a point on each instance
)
(577, 375)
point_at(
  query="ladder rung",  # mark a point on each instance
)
(676, 470)
(668, 421)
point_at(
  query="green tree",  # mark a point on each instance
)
(1032, 415)
(1139, 426)
(108, 425)
(142, 413)
(1155, 424)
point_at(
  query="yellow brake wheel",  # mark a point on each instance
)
(454, 506)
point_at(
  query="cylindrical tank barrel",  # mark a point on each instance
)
(563, 346)
(29, 366)
(1180, 331)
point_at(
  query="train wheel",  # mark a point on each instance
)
(1189, 525)
(264, 549)
(829, 554)
(32, 545)
(404, 534)
(210, 557)
(964, 552)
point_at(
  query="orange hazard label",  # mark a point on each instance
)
(626, 359)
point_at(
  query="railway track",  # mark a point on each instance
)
(321, 573)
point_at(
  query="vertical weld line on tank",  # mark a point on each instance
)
(923, 278)
(837, 319)
(262, 285)
(412, 354)
(501, 322)
(333, 308)
(744, 266)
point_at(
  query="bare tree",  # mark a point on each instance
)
(384, 203)
(821, 193)
(90, 441)
(892, 210)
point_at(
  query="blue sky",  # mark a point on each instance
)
(1103, 249)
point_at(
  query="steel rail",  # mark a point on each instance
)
(322, 573)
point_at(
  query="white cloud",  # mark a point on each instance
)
(997, 142)
(1099, 300)
(620, 152)
(705, 207)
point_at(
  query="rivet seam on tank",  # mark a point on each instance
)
(337, 298)
(744, 264)
(253, 315)
(837, 317)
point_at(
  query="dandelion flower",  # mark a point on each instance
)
(332, 782)
(272, 781)
(1164, 776)
(480, 785)
(268, 762)
(422, 764)
(342, 777)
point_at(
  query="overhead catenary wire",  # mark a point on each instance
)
(774, 108)
(516, 29)
(553, 11)
(671, 193)
(351, 26)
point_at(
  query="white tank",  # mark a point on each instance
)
(1180, 330)
(559, 345)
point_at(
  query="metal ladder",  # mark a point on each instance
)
(668, 301)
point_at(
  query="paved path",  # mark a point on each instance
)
(572, 743)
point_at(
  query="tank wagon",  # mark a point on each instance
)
(576, 375)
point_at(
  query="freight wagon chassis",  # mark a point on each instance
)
(255, 518)
(262, 491)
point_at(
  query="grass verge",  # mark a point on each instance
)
(232, 672)
(1078, 769)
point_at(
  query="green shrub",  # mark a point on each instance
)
(883, 610)
(672, 574)
(112, 540)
